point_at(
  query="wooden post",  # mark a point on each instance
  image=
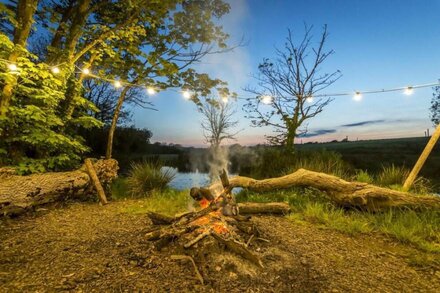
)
(422, 159)
(94, 178)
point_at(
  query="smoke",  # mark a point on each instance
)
(219, 161)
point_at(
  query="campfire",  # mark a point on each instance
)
(219, 219)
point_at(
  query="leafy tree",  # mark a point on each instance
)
(140, 42)
(286, 86)
(435, 106)
(29, 132)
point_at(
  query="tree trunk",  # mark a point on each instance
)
(347, 194)
(25, 13)
(112, 129)
(21, 193)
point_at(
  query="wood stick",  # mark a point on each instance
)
(197, 239)
(187, 257)
(92, 173)
(250, 208)
(239, 248)
(422, 159)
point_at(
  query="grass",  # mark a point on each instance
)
(147, 177)
(420, 229)
(169, 202)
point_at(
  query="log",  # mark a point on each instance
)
(344, 193)
(21, 193)
(277, 208)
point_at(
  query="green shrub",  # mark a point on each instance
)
(392, 175)
(146, 177)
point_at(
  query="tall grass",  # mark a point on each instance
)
(146, 177)
(392, 175)
(421, 228)
(275, 162)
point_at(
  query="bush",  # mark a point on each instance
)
(146, 177)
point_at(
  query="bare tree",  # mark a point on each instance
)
(217, 125)
(285, 95)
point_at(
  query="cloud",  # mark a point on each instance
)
(318, 132)
(367, 122)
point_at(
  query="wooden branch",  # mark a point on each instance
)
(239, 249)
(187, 257)
(278, 208)
(95, 180)
(344, 193)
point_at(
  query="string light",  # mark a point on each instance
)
(55, 70)
(309, 99)
(151, 91)
(408, 91)
(12, 67)
(186, 94)
(357, 96)
(266, 99)
(117, 84)
(86, 71)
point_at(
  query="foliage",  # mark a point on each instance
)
(146, 177)
(31, 135)
(435, 106)
(286, 86)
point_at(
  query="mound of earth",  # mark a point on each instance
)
(86, 247)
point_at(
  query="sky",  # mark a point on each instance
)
(378, 44)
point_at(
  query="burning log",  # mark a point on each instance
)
(21, 193)
(218, 219)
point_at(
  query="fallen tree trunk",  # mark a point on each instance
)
(344, 193)
(20, 193)
(251, 208)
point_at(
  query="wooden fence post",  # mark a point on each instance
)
(422, 159)
(94, 178)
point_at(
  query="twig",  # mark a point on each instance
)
(197, 239)
(250, 239)
(262, 239)
(187, 257)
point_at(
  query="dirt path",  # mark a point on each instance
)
(85, 247)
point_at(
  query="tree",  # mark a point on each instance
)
(287, 85)
(217, 124)
(435, 106)
(139, 42)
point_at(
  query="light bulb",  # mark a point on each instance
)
(186, 94)
(357, 96)
(151, 91)
(12, 67)
(408, 91)
(86, 71)
(266, 99)
(55, 70)
(117, 84)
